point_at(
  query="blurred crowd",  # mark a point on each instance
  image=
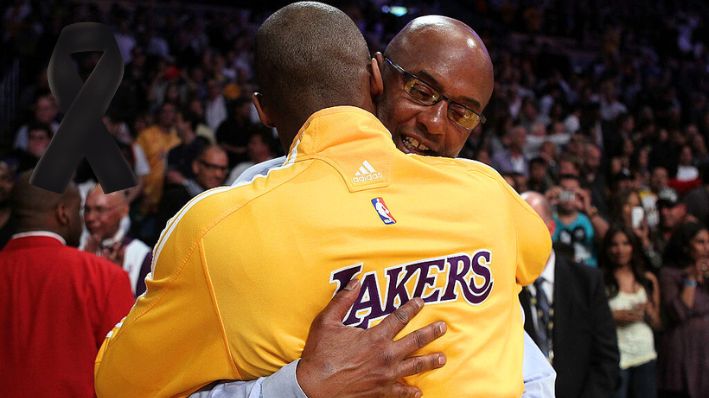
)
(601, 106)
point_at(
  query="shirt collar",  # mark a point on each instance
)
(46, 234)
(109, 242)
(351, 140)
(351, 123)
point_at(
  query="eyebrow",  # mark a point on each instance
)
(428, 79)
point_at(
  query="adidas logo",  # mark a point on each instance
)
(366, 172)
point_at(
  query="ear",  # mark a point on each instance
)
(62, 213)
(376, 83)
(257, 99)
(380, 61)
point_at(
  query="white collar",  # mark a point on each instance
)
(46, 234)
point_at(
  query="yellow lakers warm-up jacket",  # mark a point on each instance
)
(240, 272)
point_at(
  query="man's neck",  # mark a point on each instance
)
(112, 238)
(21, 229)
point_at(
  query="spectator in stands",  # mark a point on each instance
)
(657, 184)
(210, 169)
(156, 141)
(215, 111)
(38, 138)
(672, 214)
(512, 158)
(60, 302)
(628, 212)
(195, 110)
(635, 303)
(180, 158)
(108, 236)
(697, 200)
(131, 151)
(569, 165)
(539, 175)
(593, 178)
(232, 134)
(262, 147)
(686, 170)
(573, 227)
(611, 108)
(684, 283)
(45, 113)
(578, 335)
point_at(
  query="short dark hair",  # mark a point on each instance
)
(569, 177)
(307, 56)
(40, 126)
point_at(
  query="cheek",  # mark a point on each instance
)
(396, 112)
(455, 141)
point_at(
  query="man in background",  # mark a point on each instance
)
(567, 315)
(209, 169)
(108, 237)
(57, 303)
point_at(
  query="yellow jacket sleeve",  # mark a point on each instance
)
(533, 239)
(172, 342)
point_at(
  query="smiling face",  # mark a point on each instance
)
(449, 57)
(103, 212)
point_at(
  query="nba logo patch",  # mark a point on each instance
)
(383, 211)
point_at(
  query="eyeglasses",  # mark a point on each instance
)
(212, 166)
(422, 93)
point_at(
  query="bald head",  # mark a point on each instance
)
(117, 198)
(38, 209)
(309, 56)
(542, 206)
(449, 57)
(447, 42)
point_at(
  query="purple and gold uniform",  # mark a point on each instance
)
(240, 272)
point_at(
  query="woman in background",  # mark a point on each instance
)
(634, 299)
(684, 280)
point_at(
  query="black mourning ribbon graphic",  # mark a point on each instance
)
(81, 133)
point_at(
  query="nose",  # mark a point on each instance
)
(434, 118)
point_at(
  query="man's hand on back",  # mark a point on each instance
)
(341, 361)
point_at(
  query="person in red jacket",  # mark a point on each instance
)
(56, 303)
